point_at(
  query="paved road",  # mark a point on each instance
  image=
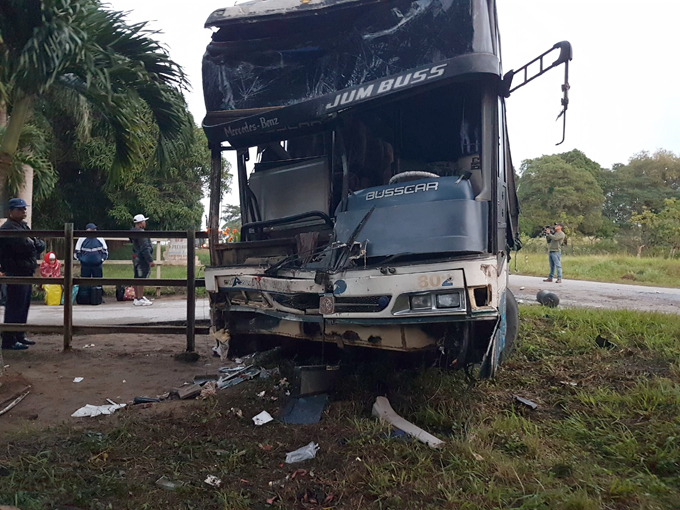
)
(599, 295)
(118, 313)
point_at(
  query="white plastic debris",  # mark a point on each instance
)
(89, 410)
(383, 411)
(261, 394)
(213, 481)
(521, 288)
(262, 418)
(78, 379)
(304, 453)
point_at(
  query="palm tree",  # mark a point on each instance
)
(77, 49)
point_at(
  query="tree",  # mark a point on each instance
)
(78, 51)
(659, 229)
(551, 189)
(170, 196)
(645, 183)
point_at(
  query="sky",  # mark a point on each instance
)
(624, 95)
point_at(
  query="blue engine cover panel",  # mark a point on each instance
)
(423, 216)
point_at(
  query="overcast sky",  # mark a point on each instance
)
(624, 85)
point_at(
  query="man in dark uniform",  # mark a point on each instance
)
(18, 257)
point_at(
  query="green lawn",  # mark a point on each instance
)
(606, 435)
(603, 268)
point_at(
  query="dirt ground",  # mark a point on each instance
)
(118, 367)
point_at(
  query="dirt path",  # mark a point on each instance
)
(119, 367)
(599, 295)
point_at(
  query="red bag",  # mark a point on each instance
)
(129, 294)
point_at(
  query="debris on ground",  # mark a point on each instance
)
(14, 400)
(267, 373)
(78, 379)
(526, 402)
(89, 410)
(305, 453)
(314, 379)
(165, 483)
(270, 501)
(569, 383)
(237, 412)
(261, 394)
(521, 288)
(189, 391)
(546, 298)
(209, 390)
(304, 410)
(146, 400)
(234, 379)
(383, 410)
(213, 481)
(262, 418)
(604, 343)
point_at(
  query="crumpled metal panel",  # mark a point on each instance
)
(283, 60)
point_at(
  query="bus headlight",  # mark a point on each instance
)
(448, 300)
(421, 302)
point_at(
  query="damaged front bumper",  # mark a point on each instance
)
(397, 308)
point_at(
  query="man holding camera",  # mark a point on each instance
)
(555, 239)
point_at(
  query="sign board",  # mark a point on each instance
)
(177, 251)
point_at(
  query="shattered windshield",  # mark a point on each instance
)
(280, 62)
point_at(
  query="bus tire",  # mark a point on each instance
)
(511, 324)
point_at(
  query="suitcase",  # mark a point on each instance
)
(96, 295)
(83, 296)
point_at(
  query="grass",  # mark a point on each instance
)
(604, 268)
(611, 441)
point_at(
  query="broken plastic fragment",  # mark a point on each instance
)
(78, 379)
(262, 418)
(383, 410)
(90, 410)
(526, 402)
(213, 481)
(305, 453)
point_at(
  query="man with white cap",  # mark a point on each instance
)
(142, 259)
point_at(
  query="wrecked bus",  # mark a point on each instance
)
(376, 186)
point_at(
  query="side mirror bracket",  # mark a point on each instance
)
(564, 57)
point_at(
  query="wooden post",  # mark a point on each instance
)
(191, 290)
(68, 286)
(158, 267)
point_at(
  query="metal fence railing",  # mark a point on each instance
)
(68, 329)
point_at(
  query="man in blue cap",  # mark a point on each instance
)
(18, 257)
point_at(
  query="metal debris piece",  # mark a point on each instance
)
(314, 379)
(526, 402)
(304, 410)
(383, 410)
(234, 379)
